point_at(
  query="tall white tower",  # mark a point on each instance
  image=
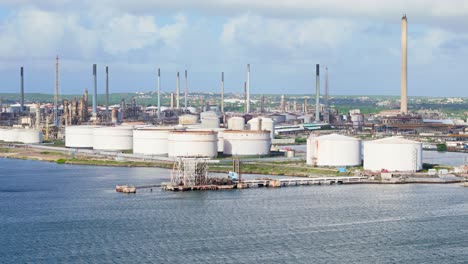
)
(404, 66)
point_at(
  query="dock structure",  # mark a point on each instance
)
(266, 182)
(301, 181)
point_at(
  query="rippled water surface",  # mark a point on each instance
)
(71, 214)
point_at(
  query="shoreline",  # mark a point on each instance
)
(295, 168)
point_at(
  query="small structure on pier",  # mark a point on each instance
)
(190, 172)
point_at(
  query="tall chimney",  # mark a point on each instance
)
(159, 93)
(282, 104)
(248, 89)
(404, 69)
(222, 92)
(317, 93)
(245, 97)
(38, 115)
(22, 90)
(185, 91)
(172, 100)
(95, 90)
(178, 92)
(56, 95)
(107, 91)
(327, 108)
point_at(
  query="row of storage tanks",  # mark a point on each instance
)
(169, 141)
(211, 120)
(21, 135)
(392, 154)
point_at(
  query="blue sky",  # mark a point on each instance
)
(358, 40)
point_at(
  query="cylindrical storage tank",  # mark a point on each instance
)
(113, 138)
(150, 141)
(11, 135)
(221, 140)
(2, 134)
(268, 124)
(393, 154)
(79, 136)
(333, 150)
(210, 122)
(236, 123)
(208, 114)
(30, 136)
(254, 123)
(219, 131)
(247, 142)
(192, 144)
(188, 119)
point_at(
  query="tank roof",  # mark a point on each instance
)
(394, 140)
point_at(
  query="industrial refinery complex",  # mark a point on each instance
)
(179, 124)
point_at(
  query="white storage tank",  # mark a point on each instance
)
(188, 119)
(393, 154)
(151, 141)
(79, 136)
(2, 134)
(11, 135)
(192, 144)
(30, 136)
(219, 131)
(333, 150)
(210, 122)
(113, 138)
(247, 142)
(236, 123)
(263, 123)
(208, 114)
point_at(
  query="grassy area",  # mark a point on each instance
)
(50, 153)
(97, 162)
(4, 150)
(286, 168)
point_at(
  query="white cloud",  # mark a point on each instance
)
(284, 36)
(35, 33)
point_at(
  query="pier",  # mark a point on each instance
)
(267, 182)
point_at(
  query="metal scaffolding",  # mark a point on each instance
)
(190, 172)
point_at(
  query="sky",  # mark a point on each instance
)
(358, 41)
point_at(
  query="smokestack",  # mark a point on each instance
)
(22, 90)
(245, 97)
(404, 69)
(95, 90)
(38, 115)
(172, 100)
(159, 93)
(56, 91)
(306, 109)
(222, 92)
(178, 92)
(262, 104)
(248, 89)
(107, 91)
(317, 93)
(282, 104)
(123, 109)
(185, 91)
(327, 108)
